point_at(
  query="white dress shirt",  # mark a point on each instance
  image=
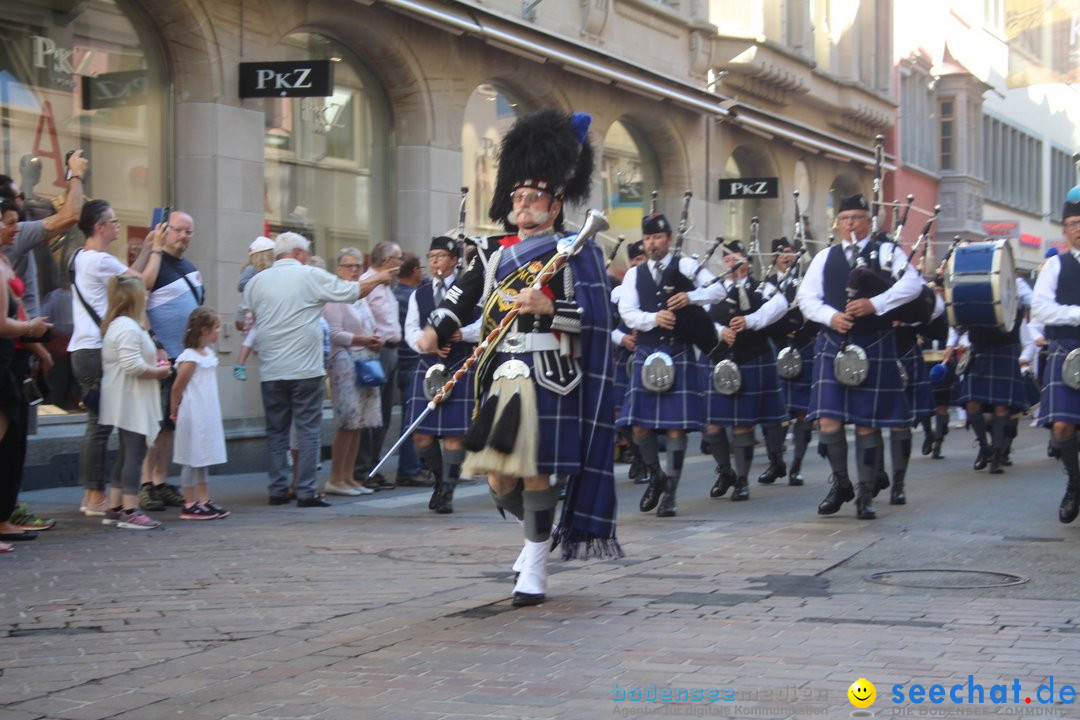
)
(630, 304)
(1044, 305)
(811, 295)
(771, 310)
(617, 335)
(414, 330)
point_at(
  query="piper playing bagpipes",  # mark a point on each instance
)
(544, 379)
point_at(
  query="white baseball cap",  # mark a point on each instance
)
(259, 244)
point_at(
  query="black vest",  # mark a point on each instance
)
(425, 305)
(1068, 293)
(653, 299)
(748, 343)
(835, 283)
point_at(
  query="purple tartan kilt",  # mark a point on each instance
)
(1059, 402)
(452, 417)
(622, 377)
(559, 420)
(920, 396)
(879, 402)
(994, 379)
(759, 400)
(681, 407)
(797, 390)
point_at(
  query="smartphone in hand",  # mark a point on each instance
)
(160, 215)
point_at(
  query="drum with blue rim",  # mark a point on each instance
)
(980, 286)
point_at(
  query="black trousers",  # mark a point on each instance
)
(13, 444)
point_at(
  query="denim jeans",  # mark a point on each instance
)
(286, 402)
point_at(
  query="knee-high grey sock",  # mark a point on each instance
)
(1067, 447)
(867, 455)
(802, 433)
(835, 444)
(648, 447)
(900, 449)
(539, 514)
(978, 426)
(774, 439)
(676, 453)
(454, 460)
(433, 458)
(743, 447)
(719, 448)
(511, 502)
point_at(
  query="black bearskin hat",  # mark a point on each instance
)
(547, 150)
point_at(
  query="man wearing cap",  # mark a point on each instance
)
(793, 332)
(1056, 304)
(743, 319)
(450, 419)
(544, 385)
(648, 305)
(624, 341)
(879, 401)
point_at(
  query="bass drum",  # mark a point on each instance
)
(980, 286)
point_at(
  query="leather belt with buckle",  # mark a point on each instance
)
(519, 342)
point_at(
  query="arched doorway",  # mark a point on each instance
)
(629, 173)
(489, 113)
(326, 157)
(752, 161)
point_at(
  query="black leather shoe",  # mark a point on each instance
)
(527, 599)
(897, 495)
(1070, 504)
(864, 509)
(840, 493)
(444, 503)
(651, 497)
(434, 495)
(995, 462)
(881, 482)
(725, 478)
(927, 444)
(314, 501)
(795, 477)
(937, 455)
(741, 490)
(278, 500)
(777, 469)
(638, 471)
(982, 459)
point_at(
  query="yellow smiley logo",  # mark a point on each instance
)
(862, 693)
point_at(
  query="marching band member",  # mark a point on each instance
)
(544, 383)
(450, 419)
(677, 409)
(743, 319)
(879, 401)
(624, 341)
(993, 385)
(1056, 305)
(799, 335)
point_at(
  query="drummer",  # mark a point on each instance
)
(993, 385)
(879, 401)
(1056, 305)
(450, 419)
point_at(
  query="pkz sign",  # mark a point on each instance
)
(311, 78)
(749, 188)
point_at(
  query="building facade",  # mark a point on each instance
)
(683, 94)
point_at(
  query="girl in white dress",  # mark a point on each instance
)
(196, 410)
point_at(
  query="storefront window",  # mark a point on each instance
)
(326, 156)
(489, 113)
(82, 76)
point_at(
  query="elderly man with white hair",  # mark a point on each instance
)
(287, 300)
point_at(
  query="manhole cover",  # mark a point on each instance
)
(946, 578)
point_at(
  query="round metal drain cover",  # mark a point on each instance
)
(946, 578)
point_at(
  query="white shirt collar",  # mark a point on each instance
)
(665, 261)
(447, 281)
